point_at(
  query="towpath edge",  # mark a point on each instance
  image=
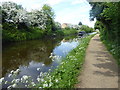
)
(100, 70)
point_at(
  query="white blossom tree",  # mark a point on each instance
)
(38, 19)
(9, 11)
(13, 13)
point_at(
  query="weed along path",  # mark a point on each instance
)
(100, 69)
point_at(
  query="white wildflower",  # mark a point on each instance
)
(6, 82)
(13, 81)
(56, 80)
(38, 79)
(53, 60)
(12, 71)
(43, 64)
(25, 85)
(40, 87)
(1, 80)
(41, 73)
(33, 84)
(50, 84)
(17, 80)
(17, 71)
(49, 70)
(26, 81)
(45, 85)
(14, 85)
(25, 77)
(42, 80)
(9, 75)
(9, 87)
(38, 69)
(50, 56)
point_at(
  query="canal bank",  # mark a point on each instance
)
(65, 75)
(33, 57)
(100, 68)
(65, 67)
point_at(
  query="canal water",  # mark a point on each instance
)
(27, 56)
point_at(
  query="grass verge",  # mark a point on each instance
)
(69, 31)
(65, 76)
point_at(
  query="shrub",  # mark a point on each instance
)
(87, 29)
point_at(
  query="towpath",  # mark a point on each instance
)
(100, 69)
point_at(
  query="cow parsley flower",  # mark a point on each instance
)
(33, 84)
(9, 87)
(9, 75)
(14, 85)
(38, 79)
(1, 80)
(38, 69)
(43, 64)
(56, 80)
(45, 85)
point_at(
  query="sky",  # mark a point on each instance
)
(66, 11)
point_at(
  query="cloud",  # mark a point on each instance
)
(86, 21)
(74, 14)
(35, 4)
(54, 2)
(74, 2)
(16, 1)
(67, 11)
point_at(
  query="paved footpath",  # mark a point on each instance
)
(100, 69)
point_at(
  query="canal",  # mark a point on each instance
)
(29, 56)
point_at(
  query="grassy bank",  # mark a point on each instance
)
(65, 76)
(69, 31)
(114, 49)
(11, 34)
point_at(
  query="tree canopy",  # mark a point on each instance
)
(19, 24)
(13, 13)
(108, 17)
(108, 23)
(80, 23)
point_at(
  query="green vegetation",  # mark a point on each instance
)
(114, 49)
(86, 28)
(65, 76)
(108, 23)
(10, 33)
(69, 31)
(80, 23)
(19, 25)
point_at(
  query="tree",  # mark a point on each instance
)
(97, 9)
(38, 19)
(21, 19)
(86, 28)
(9, 11)
(80, 23)
(57, 26)
(109, 17)
(47, 10)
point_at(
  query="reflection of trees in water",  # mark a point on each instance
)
(22, 53)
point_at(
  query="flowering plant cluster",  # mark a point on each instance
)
(13, 13)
